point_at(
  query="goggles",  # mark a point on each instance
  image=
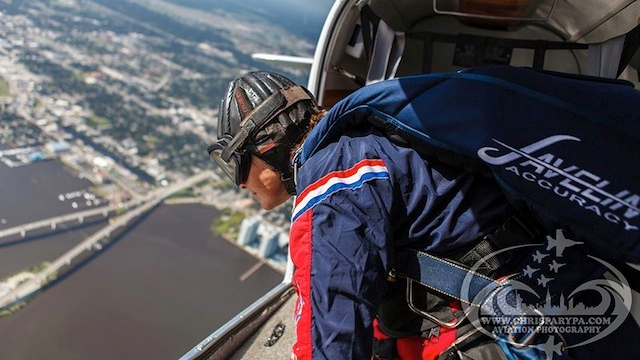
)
(235, 165)
(232, 153)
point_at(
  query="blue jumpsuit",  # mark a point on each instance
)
(360, 198)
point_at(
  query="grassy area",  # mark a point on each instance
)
(186, 193)
(228, 223)
(34, 269)
(5, 89)
(50, 278)
(151, 141)
(96, 121)
(10, 310)
(223, 184)
(100, 191)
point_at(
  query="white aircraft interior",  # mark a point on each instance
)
(419, 36)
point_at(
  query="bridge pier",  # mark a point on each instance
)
(23, 233)
(81, 219)
(53, 226)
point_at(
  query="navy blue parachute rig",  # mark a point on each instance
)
(566, 145)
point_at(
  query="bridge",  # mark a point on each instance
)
(92, 244)
(54, 221)
(101, 211)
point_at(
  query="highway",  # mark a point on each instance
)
(92, 243)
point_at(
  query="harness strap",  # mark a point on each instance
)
(539, 53)
(466, 275)
(369, 21)
(444, 276)
(454, 278)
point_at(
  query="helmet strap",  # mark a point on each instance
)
(286, 175)
(289, 184)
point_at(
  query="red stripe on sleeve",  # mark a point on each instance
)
(340, 173)
(300, 247)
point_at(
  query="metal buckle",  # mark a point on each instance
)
(529, 338)
(277, 333)
(449, 325)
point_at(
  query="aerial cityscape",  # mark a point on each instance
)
(106, 110)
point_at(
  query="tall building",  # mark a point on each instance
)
(283, 239)
(269, 236)
(248, 230)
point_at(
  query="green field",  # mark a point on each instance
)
(228, 223)
(5, 90)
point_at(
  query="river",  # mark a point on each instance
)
(154, 293)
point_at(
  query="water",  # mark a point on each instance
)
(31, 193)
(156, 292)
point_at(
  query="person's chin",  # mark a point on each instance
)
(270, 204)
(264, 204)
(267, 205)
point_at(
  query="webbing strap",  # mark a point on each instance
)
(539, 53)
(444, 276)
(369, 21)
(427, 53)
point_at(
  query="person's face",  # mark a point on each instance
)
(265, 184)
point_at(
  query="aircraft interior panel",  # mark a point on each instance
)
(343, 61)
(346, 67)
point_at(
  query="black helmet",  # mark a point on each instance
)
(264, 114)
